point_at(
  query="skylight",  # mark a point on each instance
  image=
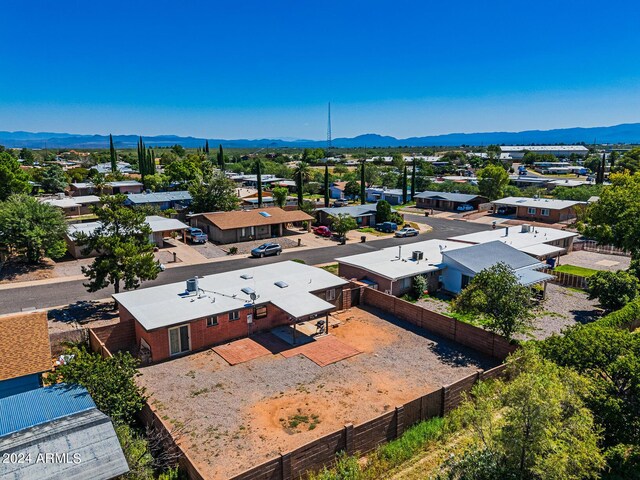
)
(265, 214)
(281, 284)
(246, 276)
(248, 290)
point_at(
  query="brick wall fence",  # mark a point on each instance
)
(567, 279)
(460, 332)
(59, 339)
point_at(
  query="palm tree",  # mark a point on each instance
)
(326, 185)
(302, 174)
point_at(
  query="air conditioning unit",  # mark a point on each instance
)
(417, 255)
(192, 286)
(525, 228)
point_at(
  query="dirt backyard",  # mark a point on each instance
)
(242, 415)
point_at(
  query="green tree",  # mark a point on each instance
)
(630, 161)
(156, 182)
(178, 150)
(413, 178)
(301, 173)
(124, 253)
(112, 155)
(383, 211)
(613, 289)
(32, 228)
(613, 219)
(352, 189)
(326, 185)
(214, 193)
(280, 195)
(404, 185)
(342, 223)
(110, 381)
(259, 181)
(54, 179)
(418, 286)
(493, 152)
(220, 158)
(363, 176)
(182, 170)
(492, 180)
(12, 179)
(536, 426)
(27, 155)
(499, 299)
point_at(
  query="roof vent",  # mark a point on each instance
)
(265, 214)
(248, 290)
(417, 255)
(246, 276)
(192, 286)
(281, 284)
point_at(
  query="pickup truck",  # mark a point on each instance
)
(196, 235)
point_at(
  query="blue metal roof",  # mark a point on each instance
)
(42, 405)
(452, 197)
(478, 257)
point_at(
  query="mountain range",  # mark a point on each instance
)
(624, 133)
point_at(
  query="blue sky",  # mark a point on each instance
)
(256, 69)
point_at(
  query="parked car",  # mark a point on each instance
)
(340, 203)
(387, 227)
(196, 235)
(266, 249)
(322, 231)
(407, 232)
(465, 207)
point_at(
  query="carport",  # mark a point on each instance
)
(301, 308)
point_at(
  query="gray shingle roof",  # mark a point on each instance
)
(478, 257)
(158, 197)
(352, 211)
(452, 197)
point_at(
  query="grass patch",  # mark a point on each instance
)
(574, 270)
(201, 391)
(297, 260)
(333, 268)
(386, 457)
(299, 420)
(372, 231)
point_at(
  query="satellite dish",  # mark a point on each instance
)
(253, 296)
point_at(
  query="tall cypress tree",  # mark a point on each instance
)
(413, 178)
(151, 163)
(259, 178)
(206, 147)
(142, 160)
(221, 158)
(299, 185)
(326, 185)
(363, 195)
(404, 185)
(112, 155)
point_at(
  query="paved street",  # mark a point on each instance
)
(49, 295)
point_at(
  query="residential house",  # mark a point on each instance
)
(161, 228)
(447, 200)
(243, 225)
(542, 243)
(392, 269)
(462, 264)
(178, 200)
(111, 188)
(518, 151)
(122, 167)
(391, 195)
(540, 209)
(53, 432)
(364, 215)
(72, 206)
(178, 318)
(336, 190)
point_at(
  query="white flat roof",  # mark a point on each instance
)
(541, 249)
(386, 262)
(544, 148)
(549, 203)
(516, 237)
(156, 222)
(167, 305)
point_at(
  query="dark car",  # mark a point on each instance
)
(387, 227)
(267, 249)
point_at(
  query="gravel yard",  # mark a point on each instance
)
(597, 261)
(239, 416)
(563, 307)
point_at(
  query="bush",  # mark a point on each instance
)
(613, 289)
(418, 286)
(233, 250)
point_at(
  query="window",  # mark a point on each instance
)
(212, 321)
(235, 315)
(465, 281)
(179, 340)
(531, 210)
(260, 312)
(544, 212)
(405, 283)
(331, 295)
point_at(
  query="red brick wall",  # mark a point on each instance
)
(553, 217)
(349, 272)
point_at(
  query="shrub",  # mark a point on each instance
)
(613, 289)
(418, 286)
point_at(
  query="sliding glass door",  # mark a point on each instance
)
(179, 339)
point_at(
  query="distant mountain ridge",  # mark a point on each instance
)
(624, 133)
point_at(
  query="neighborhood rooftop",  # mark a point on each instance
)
(544, 148)
(351, 210)
(532, 240)
(397, 262)
(156, 222)
(479, 257)
(167, 305)
(255, 217)
(24, 345)
(452, 197)
(158, 197)
(550, 204)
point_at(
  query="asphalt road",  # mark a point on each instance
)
(54, 294)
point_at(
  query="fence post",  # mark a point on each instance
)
(443, 392)
(349, 444)
(285, 464)
(399, 421)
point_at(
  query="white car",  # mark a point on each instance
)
(407, 232)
